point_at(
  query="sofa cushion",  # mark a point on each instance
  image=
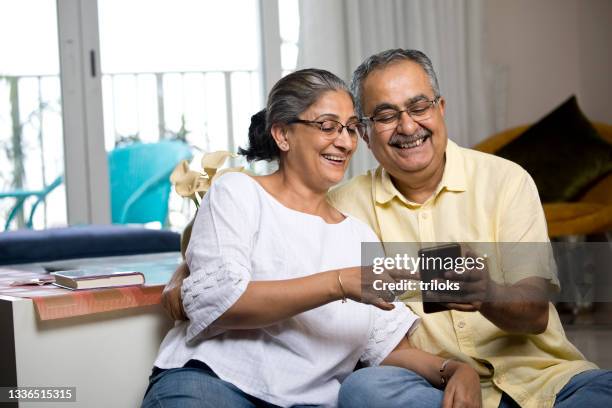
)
(91, 241)
(563, 153)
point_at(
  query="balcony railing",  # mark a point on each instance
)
(210, 110)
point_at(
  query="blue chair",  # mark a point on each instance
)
(22, 195)
(140, 185)
(140, 180)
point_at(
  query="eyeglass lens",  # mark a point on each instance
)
(333, 128)
(390, 118)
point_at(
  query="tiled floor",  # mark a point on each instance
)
(595, 343)
(592, 334)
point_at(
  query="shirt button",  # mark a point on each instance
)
(461, 324)
(424, 216)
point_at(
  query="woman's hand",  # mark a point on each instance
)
(171, 296)
(357, 284)
(463, 387)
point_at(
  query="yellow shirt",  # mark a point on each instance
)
(481, 198)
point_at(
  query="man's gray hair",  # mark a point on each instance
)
(385, 58)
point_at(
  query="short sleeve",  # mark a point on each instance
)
(387, 330)
(219, 251)
(524, 238)
(522, 216)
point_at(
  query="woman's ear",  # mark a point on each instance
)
(279, 133)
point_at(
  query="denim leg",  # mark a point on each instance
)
(591, 389)
(193, 388)
(388, 387)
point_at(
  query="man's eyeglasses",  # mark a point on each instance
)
(389, 118)
(332, 128)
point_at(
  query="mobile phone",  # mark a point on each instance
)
(431, 269)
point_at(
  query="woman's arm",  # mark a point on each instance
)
(461, 383)
(268, 302)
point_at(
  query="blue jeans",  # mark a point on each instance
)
(196, 386)
(376, 387)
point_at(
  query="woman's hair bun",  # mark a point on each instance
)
(262, 145)
(258, 122)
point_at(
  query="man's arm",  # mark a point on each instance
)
(171, 296)
(520, 305)
(520, 308)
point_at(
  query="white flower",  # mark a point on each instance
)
(194, 185)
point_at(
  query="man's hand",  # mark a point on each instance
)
(520, 308)
(463, 388)
(171, 296)
(476, 287)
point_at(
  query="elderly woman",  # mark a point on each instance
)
(276, 316)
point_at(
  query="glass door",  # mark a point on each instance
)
(131, 72)
(32, 191)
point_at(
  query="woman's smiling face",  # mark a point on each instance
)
(322, 157)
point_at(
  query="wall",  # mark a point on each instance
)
(542, 51)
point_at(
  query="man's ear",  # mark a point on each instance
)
(366, 138)
(279, 133)
(442, 104)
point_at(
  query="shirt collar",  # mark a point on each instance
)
(453, 179)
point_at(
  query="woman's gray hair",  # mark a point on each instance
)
(385, 58)
(289, 97)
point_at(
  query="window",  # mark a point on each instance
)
(192, 69)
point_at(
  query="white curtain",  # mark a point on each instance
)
(338, 35)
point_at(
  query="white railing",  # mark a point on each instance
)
(207, 109)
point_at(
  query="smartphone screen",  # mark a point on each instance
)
(431, 269)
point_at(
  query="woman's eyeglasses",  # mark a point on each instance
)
(332, 128)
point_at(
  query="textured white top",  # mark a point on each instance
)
(242, 233)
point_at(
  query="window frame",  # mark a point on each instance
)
(85, 157)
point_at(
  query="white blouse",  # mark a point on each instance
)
(242, 233)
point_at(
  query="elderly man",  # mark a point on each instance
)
(428, 189)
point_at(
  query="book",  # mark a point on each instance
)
(84, 279)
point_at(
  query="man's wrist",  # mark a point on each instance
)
(451, 367)
(495, 292)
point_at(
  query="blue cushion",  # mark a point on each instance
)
(26, 246)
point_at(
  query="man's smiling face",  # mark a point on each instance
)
(409, 146)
